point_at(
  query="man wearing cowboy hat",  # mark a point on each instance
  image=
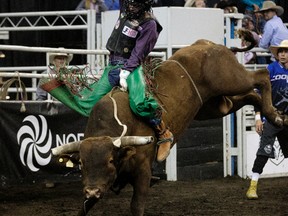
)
(56, 61)
(274, 30)
(60, 60)
(278, 72)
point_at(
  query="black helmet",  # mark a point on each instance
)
(144, 5)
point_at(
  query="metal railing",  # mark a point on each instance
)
(31, 21)
(56, 20)
(16, 71)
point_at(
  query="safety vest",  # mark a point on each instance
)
(125, 33)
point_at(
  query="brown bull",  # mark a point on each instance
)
(189, 83)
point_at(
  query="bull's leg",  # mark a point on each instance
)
(251, 98)
(140, 192)
(262, 82)
(215, 107)
(226, 105)
(218, 107)
(87, 205)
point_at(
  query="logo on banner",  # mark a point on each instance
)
(35, 140)
(279, 157)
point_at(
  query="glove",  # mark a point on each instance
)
(123, 77)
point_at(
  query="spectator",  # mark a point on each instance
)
(268, 132)
(248, 23)
(98, 5)
(56, 61)
(250, 7)
(250, 57)
(195, 3)
(274, 30)
(112, 4)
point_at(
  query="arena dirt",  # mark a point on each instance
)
(223, 196)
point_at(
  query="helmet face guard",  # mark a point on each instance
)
(135, 8)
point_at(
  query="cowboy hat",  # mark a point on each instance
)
(274, 49)
(270, 5)
(52, 56)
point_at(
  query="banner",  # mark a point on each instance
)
(26, 139)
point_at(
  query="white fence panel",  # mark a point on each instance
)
(274, 168)
(181, 26)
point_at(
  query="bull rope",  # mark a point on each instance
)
(190, 78)
(117, 142)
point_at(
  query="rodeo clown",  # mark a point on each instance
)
(133, 38)
(268, 132)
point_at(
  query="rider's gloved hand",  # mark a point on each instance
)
(123, 77)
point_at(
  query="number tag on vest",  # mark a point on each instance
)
(129, 32)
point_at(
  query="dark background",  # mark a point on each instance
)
(68, 39)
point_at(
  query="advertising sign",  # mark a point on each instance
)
(27, 138)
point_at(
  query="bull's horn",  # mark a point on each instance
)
(66, 148)
(132, 140)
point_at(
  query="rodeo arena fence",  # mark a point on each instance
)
(50, 122)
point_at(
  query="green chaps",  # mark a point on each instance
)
(141, 101)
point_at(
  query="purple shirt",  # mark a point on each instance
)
(145, 43)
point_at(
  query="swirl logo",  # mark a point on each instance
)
(35, 140)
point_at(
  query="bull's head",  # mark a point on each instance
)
(99, 160)
(98, 166)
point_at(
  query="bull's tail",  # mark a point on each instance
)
(247, 36)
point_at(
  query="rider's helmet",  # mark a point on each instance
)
(139, 7)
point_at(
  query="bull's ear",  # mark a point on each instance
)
(127, 152)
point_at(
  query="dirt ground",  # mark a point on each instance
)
(224, 196)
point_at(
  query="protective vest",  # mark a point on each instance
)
(123, 37)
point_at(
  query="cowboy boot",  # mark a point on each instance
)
(252, 191)
(165, 141)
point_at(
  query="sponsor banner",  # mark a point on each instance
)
(27, 138)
